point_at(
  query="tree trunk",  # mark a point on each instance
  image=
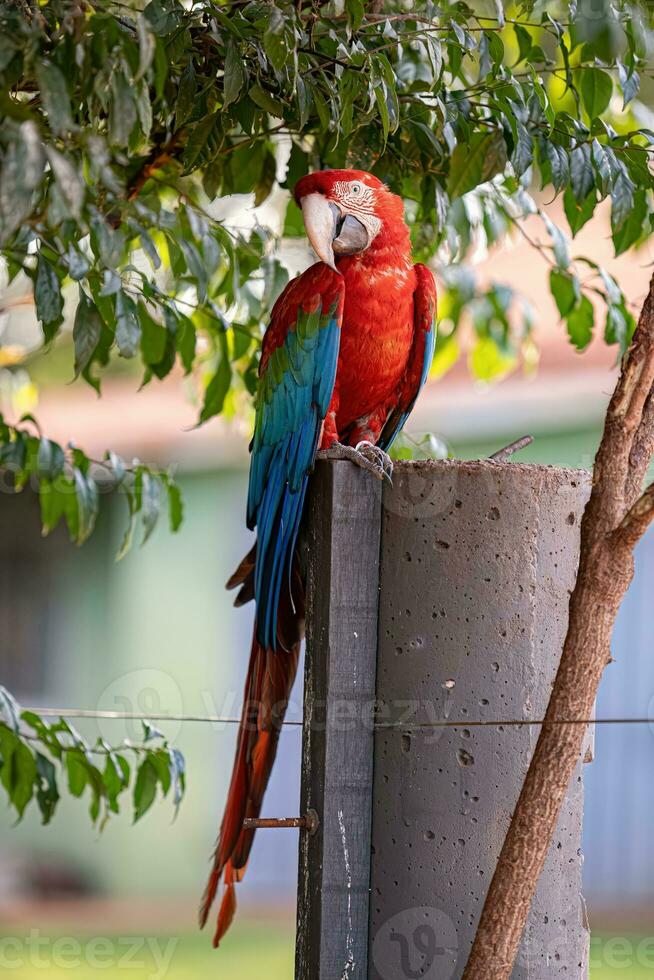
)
(614, 520)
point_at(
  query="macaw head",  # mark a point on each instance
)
(348, 211)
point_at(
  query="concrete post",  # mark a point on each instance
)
(477, 563)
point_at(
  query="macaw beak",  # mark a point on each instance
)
(330, 231)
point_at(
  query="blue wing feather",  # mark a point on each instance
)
(295, 390)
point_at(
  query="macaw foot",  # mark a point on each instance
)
(364, 454)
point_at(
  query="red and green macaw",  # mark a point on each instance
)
(346, 353)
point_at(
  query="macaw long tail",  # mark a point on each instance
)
(267, 689)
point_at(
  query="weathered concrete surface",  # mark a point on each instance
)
(477, 564)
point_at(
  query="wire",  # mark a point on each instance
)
(292, 723)
(135, 716)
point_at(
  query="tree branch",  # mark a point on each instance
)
(638, 519)
(611, 526)
(626, 422)
(502, 455)
(642, 451)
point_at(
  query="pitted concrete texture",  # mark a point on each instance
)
(477, 564)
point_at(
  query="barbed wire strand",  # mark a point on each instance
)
(294, 723)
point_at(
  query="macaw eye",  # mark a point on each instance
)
(355, 188)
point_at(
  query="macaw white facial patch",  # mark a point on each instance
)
(357, 199)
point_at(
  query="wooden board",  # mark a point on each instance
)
(337, 764)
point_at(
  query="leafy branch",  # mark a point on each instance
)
(122, 131)
(69, 484)
(37, 757)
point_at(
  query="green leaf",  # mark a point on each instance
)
(488, 361)
(47, 294)
(177, 774)
(523, 150)
(117, 465)
(17, 769)
(150, 732)
(382, 106)
(128, 537)
(150, 503)
(630, 84)
(78, 264)
(559, 244)
(602, 167)
(578, 213)
(52, 500)
(144, 109)
(565, 290)
(185, 95)
(196, 267)
(108, 243)
(203, 142)
(56, 100)
(9, 709)
(8, 742)
(581, 172)
(622, 201)
(580, 323)
(77, 773)
(472, 164)
(214, 396)
(235, 77)
(128, 327)
(153, 337)
(631, 229)
(266, 180)
(265, 101)
(596, 91)
(524, 40)
(613, 291)
(113, 783)
(293, 221)
(22, 170)
(86, 494)
(147, 46)
(149, 247)
(86, 332)
(122, 109)
(70, 510)
(161, 763)
(175, 506)
(145, 788)
(559, 164)
(355, 11)
(275, 42)
(50, 459)
(23, 776)
(163, 16)
(186, 341)
(618, 328)
(47, 792)
(68, 180)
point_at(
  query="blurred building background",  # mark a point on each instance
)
(156, 633)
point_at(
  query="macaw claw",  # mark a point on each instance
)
(364, 454)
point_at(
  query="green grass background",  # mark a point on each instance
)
(251, 950)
